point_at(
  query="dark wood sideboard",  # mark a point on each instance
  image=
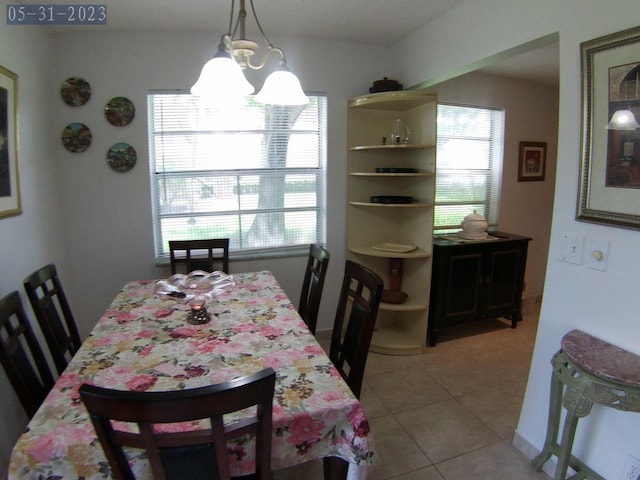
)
(476, 280)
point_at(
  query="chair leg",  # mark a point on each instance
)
(335, 468)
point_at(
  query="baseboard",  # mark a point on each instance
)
(530, 452)
(323, 335)
(531, 304)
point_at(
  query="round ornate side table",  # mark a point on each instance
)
(586, 370)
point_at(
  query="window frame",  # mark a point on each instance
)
(157, 175)
(493, 172)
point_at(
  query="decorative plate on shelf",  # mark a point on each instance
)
(394, 247)
(75, 91)
(122, 157)
(120, 111)
(76, 137)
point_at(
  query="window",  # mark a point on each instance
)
(254, 174)
(469, 172)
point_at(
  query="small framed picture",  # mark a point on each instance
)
(532, 161)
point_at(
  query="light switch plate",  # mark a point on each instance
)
(631, 469)
(571, 246)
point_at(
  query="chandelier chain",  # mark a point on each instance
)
(264, 35)
(233, 7)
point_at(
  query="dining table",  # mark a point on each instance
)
(143, 342)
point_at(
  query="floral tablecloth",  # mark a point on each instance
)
(143, 343)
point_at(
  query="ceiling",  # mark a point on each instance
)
(376, 22)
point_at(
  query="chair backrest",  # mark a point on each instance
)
(190, 454)
(311, 293)
(21, 355)
(50, 305)
(199, 255)
(356, 315)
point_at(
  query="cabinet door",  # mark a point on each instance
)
(462, 289)
(503, 282)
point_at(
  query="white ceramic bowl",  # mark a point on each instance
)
(474, 227)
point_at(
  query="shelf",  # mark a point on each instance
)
(374, 174)
(402, 307)
(399, 101)
(372, 252)
(406, 171)
(404, 146)
(391, 342)
(392, 205)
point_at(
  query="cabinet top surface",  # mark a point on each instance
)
(400, 100)
(496, 238)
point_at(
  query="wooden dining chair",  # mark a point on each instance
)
(21, 355)
(50, 305)
(356, 315)
(199, 255)
(190, 454)
(312, 285)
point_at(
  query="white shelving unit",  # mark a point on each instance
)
(401, 328)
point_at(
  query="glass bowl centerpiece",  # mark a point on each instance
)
(194, 289)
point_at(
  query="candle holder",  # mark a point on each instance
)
(195, 290)
(198, 314)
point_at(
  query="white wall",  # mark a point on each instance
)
(605, 304)
(531, 114)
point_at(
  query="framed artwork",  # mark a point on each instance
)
(532, 161)
(9, 178)
(609, 188)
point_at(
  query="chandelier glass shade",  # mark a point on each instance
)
(222, 78)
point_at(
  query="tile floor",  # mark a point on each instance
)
(448, 414)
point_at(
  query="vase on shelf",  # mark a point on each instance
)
(400, 132)
(394, 294)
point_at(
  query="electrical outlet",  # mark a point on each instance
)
(631, 469)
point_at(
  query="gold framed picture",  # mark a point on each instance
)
(9, 176)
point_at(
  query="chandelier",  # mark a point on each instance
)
(222, 78)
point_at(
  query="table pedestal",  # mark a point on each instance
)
(586, 370)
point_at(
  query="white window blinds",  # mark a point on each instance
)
(469, 171)
(253, 174)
